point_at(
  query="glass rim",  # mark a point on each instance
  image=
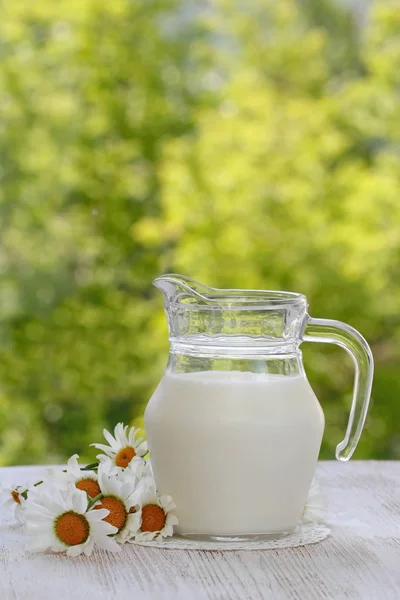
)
(182, 291)
(242, 300)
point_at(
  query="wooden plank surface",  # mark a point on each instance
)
(360, 560)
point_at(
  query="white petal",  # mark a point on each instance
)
(54, 506)
(126, 487)
(114, 470)
(109, 451)
(79, 501)
(120, 435)
(73, 466)
(114, 485)
(134, 521)
(110, 439)
(137, 467)
(43, 530)
(19, 513)
(100, 529)
(75, 550)
(124, 535)
(106, 530)
(146, 536)
(108, 544)
(172, 520)
(147, 492)
(36, 511)
(39, 543)
(167, 503)
(89, 548)
(141, 449)
(167, 531)
(97, 514)
(104, 482)
(105, 466)
(59, 548)
(34, 527)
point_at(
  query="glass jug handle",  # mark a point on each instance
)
(345, 336)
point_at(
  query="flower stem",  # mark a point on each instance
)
(92, 501)
(91, 467)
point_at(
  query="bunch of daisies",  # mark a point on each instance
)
(105, 504)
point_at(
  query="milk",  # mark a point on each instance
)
(236, 450)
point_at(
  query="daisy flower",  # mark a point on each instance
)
(124, 445)
(11, 499)
(315, 508)
(154, 515)
(83, 480)
(118, 500)
(61, 521)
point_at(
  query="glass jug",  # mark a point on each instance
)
(234, 428)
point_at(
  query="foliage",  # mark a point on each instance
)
(244, 145)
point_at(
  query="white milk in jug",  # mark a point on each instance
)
(236, 450)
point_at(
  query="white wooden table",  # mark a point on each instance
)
(361, 558)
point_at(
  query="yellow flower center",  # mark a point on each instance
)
(72, 528)
(153, 518)
(124, 456)
(16, 497)
(90, 486)
(118, 514)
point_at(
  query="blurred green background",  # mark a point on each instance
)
(247, 144)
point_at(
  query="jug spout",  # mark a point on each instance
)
(175, 286)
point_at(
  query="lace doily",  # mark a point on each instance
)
(306, 533)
